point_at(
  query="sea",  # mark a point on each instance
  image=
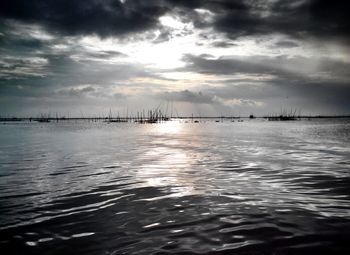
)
(177, 187)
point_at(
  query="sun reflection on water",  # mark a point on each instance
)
(166, 163)
(169, 127)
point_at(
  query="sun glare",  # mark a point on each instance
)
(169, 127)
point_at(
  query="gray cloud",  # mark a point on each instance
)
(319, 84)
(76, 92)
(188, 96)
(295, 67)
(223, 44)
(47, 73)
(104, 54)
(286, 44)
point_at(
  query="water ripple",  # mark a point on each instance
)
(248, 188)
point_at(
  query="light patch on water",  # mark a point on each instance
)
(176, 231)
(44, 240)
(118, 213)
(83, 234)
(169, 127)
(31, 243)
(152, 225)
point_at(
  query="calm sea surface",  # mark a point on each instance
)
(253, 187)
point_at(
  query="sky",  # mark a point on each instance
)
(201, 57)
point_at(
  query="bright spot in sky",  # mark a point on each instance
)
(169, 21)
(165, 55)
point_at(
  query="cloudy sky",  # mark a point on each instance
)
(206, 57)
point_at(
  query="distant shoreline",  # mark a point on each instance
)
(14, 119)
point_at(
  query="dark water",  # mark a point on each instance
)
(208, 188)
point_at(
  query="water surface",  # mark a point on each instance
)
(253, 187)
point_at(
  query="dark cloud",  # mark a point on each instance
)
(83, 55)
(280, 93)
(188, 96)
(286, 44)
(223, 44)
(13, 67)
(106, 54)
(236, 18)
(191, 4)
(296, 67)
(315, 17)
(101, 17)
(12, 42)
(47, 73)
(76, 92)
(311, 83)
(296, 18)
(21, 43)
(226, 66)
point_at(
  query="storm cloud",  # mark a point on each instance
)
(85, 17)
(234, 17)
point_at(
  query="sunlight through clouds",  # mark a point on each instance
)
(244, 50)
